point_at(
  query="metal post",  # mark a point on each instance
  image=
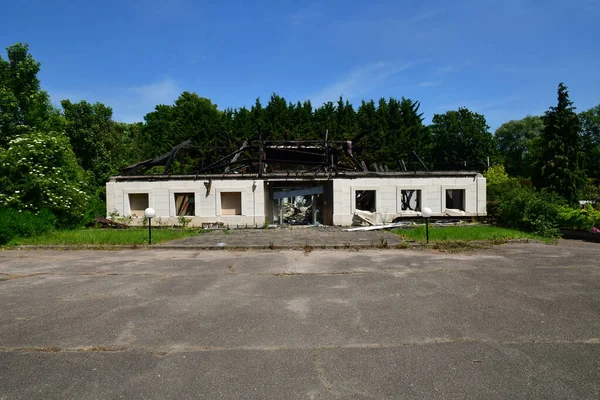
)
(149, 230)
(260, 154)
(427, 229)
(281, 212)
(314, 210)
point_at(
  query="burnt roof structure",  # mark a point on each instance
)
(164, 159)
(260, 157)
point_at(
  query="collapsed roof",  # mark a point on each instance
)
(260, 157)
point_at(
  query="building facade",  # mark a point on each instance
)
(281, 198)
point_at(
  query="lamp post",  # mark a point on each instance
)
(149, 213)
(426, 213)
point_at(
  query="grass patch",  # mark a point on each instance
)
(465, 234)
(102, 237)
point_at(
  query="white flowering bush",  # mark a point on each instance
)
(39, 171)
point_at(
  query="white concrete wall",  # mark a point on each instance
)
(388, 195)
(161, 197)
(208, 207)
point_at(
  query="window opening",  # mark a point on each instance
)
(365, 200)
(185, 204)
(455, 199)
(231, 203)
(138, 202)
(410, 200)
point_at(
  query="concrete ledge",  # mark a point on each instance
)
(208, 247)
(306, 247)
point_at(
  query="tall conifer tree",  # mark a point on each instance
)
(560, 168)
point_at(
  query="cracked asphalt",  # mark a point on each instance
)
(514, 321)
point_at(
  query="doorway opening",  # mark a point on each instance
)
(300, 203)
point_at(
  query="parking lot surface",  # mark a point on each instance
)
(296, 237)
(513, 321)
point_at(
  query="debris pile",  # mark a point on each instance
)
(366, 218)
(294, 214)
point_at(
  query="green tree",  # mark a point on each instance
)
(9, 114)
(406, 133)
(156, 133)
(198, 119)
(590, 140)
(325, 120)
(461, 138)
(23, 105)
(126, 147)
(517, 144)
(259, 123)
(496, 174)
(379, 138)
(346, 121)
(195, 118)
(278, 118)
(302, 120)
(93, 137)
(39, 171)
(560, 168)
(241, 124)
(365, 142)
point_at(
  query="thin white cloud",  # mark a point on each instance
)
(480, 105)
(446, 69)
(159, 92)
(129, 104)
(508, 7)
(134, 103)
(359, 82)
(164, 9)
(425, 28)
(430, 84)
(307, 14)
(590, 5)
(426, 15)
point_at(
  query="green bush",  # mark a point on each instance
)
(591, 192)
(38, 170)
(96, 208)
(584, 218)
(24, 223)
(496, 175)
(540, 212)
(520, 207)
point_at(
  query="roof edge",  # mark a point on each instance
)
(299, 176)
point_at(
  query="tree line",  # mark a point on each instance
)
(79, 145)
(384, 132)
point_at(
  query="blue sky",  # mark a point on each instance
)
(501, 58)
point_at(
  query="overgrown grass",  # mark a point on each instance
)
(101, 237)
(465, 234)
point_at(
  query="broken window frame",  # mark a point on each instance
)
(137, 212)
(406, 196)
(451, 197)
(368, 200)
(185, 209)
(237, 211)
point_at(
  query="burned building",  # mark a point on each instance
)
(292, 182)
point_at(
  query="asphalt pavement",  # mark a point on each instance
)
(293, 237)
(514, 321)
